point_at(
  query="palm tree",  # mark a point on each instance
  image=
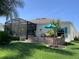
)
(8, 8)
(57, 24)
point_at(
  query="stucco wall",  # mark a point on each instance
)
(43, 30)
(73, 32)
(63, 25)
(70, 30)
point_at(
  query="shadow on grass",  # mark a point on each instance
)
(68, 43)
(22, 48)
(53, 50)
(75, 48)
(27, 50)
(76, 41)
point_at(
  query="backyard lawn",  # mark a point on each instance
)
(38, 51)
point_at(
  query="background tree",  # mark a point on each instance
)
(8, 8)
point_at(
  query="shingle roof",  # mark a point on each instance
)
(42, 21)
(47, 20)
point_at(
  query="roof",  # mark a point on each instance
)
(46, 20)
(41, 21)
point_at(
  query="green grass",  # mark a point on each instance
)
(38, 51)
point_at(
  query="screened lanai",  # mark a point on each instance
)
(20, 28)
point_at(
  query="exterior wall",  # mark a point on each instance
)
(40, 29)
(77, 34)
(1, 27)
(68, 37)
(71, 32)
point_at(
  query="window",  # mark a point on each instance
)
(66, 31)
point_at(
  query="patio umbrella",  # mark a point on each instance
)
(50, 26)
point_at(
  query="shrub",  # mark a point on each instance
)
(4, 38)
(76, 39)
(68, 43)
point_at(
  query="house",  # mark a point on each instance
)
(77, 34)
(1, 27)
(34, 28)
(69, 29)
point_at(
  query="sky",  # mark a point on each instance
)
(67, 10)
